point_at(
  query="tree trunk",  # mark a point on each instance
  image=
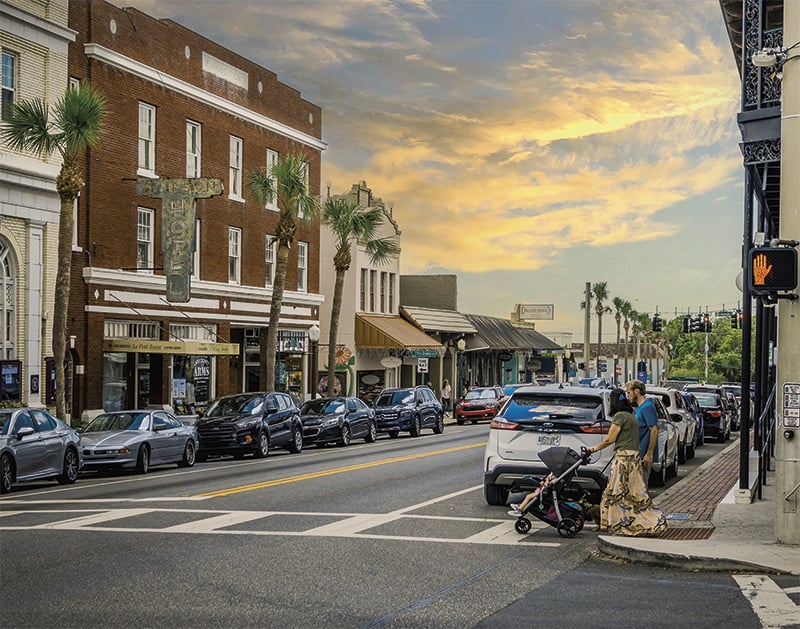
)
(61, 301)
(336, 311)
(269, 342)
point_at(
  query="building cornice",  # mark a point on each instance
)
(141, 70)
(61, 34)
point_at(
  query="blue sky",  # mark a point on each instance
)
(529, 146)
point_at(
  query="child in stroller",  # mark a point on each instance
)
(548, 502)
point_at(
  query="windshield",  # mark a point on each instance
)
(543, 407)
(5, 422)
(235, 405)
(323, 407)
(118, 421)
(481, 394)
(395, 398)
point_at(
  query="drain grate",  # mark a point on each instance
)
(688, 533)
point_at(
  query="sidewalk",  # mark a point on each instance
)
(708, 531)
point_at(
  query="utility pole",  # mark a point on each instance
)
(787, 450)
(587, 349)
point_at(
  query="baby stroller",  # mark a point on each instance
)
(551, 505)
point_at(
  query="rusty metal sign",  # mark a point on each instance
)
(177, 226)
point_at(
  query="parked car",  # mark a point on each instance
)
(35, 445)
(337, 420)
(730, 404)
(597, 383)
(693, 407)
(536, 418)
(733, 406)
(716, 421)
(250, 423)
(479, 403)
(138, 439)
(508, 389)
(410, 408)
(684, 421)
(665, 456)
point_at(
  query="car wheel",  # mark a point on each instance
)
(69, 473)
(496, 495)
(721, 438)
(7, 474)
(415, 426)
(672, 470)
(143, 460)
(344, 439)
(372, 433)
(460, 422)
(438, 427)
(296, 446)
(262, 447)
(189, 455)
(659, 479)
(691, 452)
(201, 458)
(682, 452)
(394, 434)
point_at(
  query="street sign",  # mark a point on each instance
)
(535, 311)
(423, 353)
(422, 365)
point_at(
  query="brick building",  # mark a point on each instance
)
(33, 42)
(182, 106)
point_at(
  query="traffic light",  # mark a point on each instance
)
(658, 324)
(740, 317)
(772, 269)
(706, 326)
(687, 324)
(696, 324)
(735, 320)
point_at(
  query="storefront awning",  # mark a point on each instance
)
(145, 346)
(438, 321)
(391, 332)
(501, 334)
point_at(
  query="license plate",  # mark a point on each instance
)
(549, 440)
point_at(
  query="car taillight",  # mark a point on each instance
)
(500, 423)
(598, 428)
(714, 414)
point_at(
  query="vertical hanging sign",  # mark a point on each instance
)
(177, 226)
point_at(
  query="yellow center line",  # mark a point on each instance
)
(338, 470)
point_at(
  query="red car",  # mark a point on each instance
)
(479, 403)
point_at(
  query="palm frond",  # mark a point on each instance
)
(29, 128)
(261, 186)
(80, 114)
(382, 250)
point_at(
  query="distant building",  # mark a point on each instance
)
(33, 40)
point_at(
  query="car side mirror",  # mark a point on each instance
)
(24, 432)
(676, 417)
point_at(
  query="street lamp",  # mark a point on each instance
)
(461, 346)
(313, 336)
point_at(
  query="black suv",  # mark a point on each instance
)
(250, 423)
(411, 409)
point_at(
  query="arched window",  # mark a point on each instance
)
(8, 302)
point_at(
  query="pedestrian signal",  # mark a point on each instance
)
(772, 269)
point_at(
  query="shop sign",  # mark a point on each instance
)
(144, 346)
(391, 362)
(424, 353)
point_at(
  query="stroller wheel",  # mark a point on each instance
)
(568, 528)
(522, 525)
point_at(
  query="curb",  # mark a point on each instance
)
(696, 563)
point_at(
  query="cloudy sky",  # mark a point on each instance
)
(529, 146)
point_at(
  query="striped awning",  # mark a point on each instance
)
(391, 332)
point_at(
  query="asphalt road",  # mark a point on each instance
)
(395, 533)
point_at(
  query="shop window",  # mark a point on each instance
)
(115, 381)
(11, 380)
(191, 383)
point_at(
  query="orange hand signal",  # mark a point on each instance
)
(760, 269)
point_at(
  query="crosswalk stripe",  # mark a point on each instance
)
(771, 604)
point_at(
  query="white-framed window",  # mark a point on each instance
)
(302, 267)
(306, 171)
(363, 290)
(391, 293)
(235, 177)
(8, 303)
(234, 255)
(144, 240)
(384, 278)
(74, 83)
(196, 258)
(270, 250)
(272, 159)
(9, 83)
(373, 287)
(75, 222)
(193, 148)
(147, 139)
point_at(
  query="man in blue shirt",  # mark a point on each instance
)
(648, 421)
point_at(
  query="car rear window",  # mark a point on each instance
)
(534, 406)
(707, 399)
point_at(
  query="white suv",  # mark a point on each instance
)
(681, 418)
(536, 418)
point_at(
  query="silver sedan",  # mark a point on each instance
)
(137, 439)
(35, 445)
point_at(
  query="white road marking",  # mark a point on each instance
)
(771, 604)
(439, 499)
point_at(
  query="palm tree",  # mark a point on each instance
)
(75, 124)
(350, 222)
(286, 181)
(627, 313)
(600, 295)
(619, 304)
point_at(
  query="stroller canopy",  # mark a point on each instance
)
(559, 460)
